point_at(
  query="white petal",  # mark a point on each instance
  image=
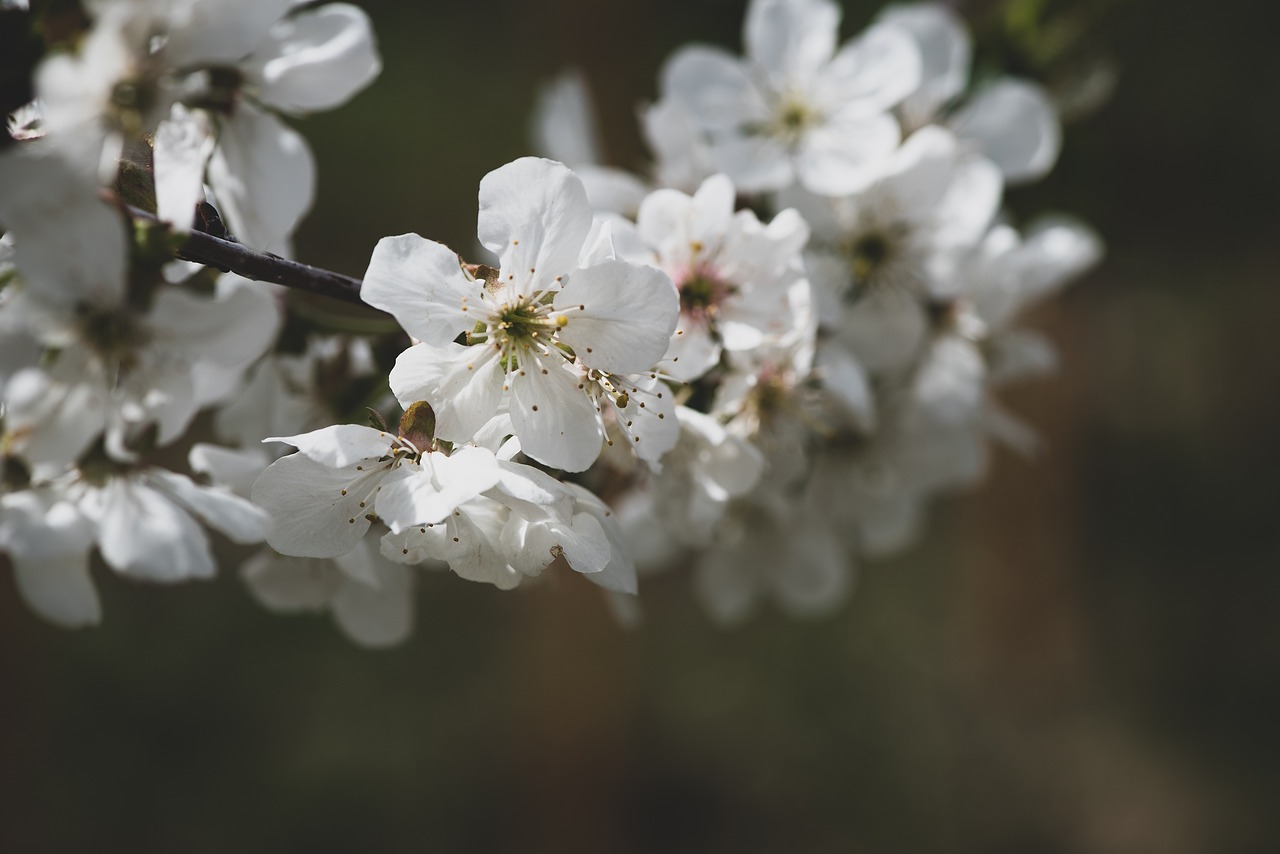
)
(612, 189)
(183, 144)
(1015, 124)
(340, 445)
(233, 468)
(847, 381)
(143, 534)
(531, 491)
(264, 177)
(234, 329)
(557, 424)
(792, 39)
(620, 573)
(945, 52)
(620, 316)
(379, 616)
(535, 216)
(317, 59)
(872, 73)
(428, 493)
(225, 31)
(311, 516)
(564, 126)
(291, 584)
(919, 173)
(59, 589)
(462, 384)
(715, 86)
(236, 517)
(421, 283)
(846, 154)
(648, 421)
(755, 163)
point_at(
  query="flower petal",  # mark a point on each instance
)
(313, 511)
(263, 175)
(1014, 124)
(535, 216)
(422, 284)
(557, 424)
(620, 316)
(340, 445)
(463, 385)
(317, 59)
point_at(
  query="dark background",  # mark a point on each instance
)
(1084, 656)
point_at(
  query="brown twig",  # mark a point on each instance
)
(229, 256)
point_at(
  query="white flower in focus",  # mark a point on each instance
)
(796, 109)
(559, 323)
(323, 499)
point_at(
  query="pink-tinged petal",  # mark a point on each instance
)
(236, 517)
(715, 86)
(555, 420)
(1014, 123)
(182, 147)
(422, 284)
(464, 385)
(143, 534)
(846, 154)
(315, 509)
(791, 39)
(317, 59)
(380, 616)
(619, 316)
(340, 445)
(263, 175)
(535, 216)
(427, 493)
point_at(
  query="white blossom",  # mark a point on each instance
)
(796, 108)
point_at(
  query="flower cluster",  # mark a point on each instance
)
(769, 352)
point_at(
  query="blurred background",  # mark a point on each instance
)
(1084, 656)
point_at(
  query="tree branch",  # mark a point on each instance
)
(227, 255)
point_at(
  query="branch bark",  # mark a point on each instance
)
(227, 255)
